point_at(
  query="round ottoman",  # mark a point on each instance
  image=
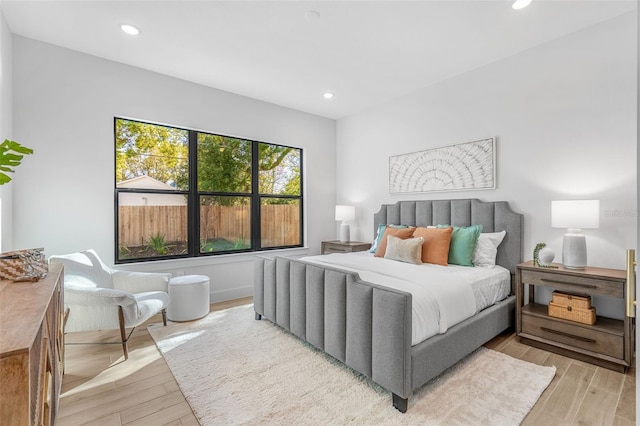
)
(189, 297)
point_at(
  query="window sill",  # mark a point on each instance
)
(193, 262)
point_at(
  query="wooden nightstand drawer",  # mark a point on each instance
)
(588, 338)
(573, 284)
(329, 247)
(334, 249)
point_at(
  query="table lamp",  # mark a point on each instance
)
(344, 214)
(575, 215)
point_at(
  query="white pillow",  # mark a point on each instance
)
(487, 249)
(409, 250)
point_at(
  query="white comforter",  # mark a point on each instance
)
(443, 296)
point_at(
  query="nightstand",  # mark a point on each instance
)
(340, 247)
(607, 343)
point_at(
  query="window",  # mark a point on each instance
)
(184, 193)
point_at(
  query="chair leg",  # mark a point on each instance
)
(164, 316)
(123, 333)
(124, 338)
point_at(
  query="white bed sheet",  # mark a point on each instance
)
(443, 296)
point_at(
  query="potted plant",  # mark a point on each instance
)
(19, 265)
(11, 153)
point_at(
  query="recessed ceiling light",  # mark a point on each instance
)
(521, 4)
(130, 29)
(328, 95)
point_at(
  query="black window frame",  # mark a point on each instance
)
(193, 199)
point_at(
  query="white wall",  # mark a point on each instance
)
(564, 115)
(6, 116)
(64, 104)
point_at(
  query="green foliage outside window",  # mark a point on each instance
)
(279, 170)
(144, 149)
(224, 165)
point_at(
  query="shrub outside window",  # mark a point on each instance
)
(184, 193)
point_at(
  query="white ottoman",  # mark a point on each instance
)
(189, 297)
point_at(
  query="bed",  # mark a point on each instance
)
(369, 326)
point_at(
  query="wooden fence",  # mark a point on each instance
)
(280, 224)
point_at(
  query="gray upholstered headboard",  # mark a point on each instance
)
(494, 216)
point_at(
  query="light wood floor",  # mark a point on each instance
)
(99, 388)
(580, 393)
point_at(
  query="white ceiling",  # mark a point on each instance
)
(366, 52)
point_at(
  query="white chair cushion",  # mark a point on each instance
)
(149, 304)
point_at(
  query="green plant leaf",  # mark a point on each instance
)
(4, 178)
(15, 146)
(9, 158)
(11, 154)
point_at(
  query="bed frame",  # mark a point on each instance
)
(368, 326)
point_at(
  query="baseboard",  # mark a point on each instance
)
(231, 294)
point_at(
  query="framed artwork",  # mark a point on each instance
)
(460, 167)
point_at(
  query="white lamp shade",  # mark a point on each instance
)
(575, 214)
(345, 213)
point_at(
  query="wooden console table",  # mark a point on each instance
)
(31, 349)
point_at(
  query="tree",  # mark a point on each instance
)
(279, 170)
(144, 149)
(224, 163)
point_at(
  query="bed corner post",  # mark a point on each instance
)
(258, 287)
(400, 403)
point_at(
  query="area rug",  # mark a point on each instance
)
(233, 369)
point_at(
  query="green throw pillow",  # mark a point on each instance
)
(380, 233)
(463, 244)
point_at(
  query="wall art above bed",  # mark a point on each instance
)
(458, 167)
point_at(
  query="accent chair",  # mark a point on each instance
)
(97, 297)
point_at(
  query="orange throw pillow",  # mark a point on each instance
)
(435, 248)
(402, 233)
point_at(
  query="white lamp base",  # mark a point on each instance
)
(344, 233)
(574, 250)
